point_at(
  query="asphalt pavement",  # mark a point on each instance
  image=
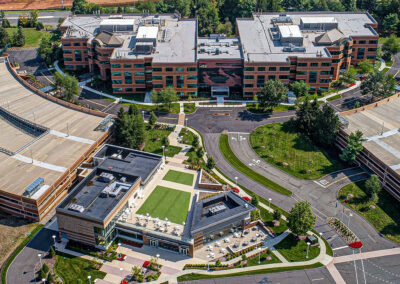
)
(47, 18)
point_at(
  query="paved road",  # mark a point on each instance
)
(395, 69)
(47, 18)
(309, 276)
(22, 268)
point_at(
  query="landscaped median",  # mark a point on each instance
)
(237, 164)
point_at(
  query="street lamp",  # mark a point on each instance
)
(163, 151)
(259, 255)
(120, 269)
(308, 245)
(348, 223)
(269, 199)
(236, 178)
(54, 239)
(40, 259)
(90, 279)
(44, 280)
(143, 114)
(186, 121)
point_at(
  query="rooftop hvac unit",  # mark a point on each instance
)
(76, 208)
(106, 177)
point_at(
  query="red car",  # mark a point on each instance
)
(246, 198)
(235, 189)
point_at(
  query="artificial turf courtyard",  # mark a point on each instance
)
(166, 202)
(179, 177)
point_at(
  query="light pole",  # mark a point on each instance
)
(40, 259)
(259, 255)
(163, 151)
(158, 256)
(143, 114)
(90, 279)
(348, 222)
(308, 245)
(54, 240)
(121, 270)
(236, 178)
(270, 199)
(186, 121)
(44, 280)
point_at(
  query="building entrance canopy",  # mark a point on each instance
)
(219, 91)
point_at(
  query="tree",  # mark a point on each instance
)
(45, 268)
(277, 215)
(152, 118)
(168, 96)
(52, 252)
(273, 93)
(19, 37)
(200, 152)
(4, 39)
(78, 6)
(42, 274)
(4, 21)
(208, 19)
(373, 186)
(195, 142)
(301, 218)
(33, 18)
(349, 5)
(365, 67)
(246, 8)
(138, 132)
(254, 199)
(348, 77)
(70, 87)
(300, 88)
(326, 126)
(210, 162)
(390, 23)
(50, 278)
(353, 147)
(129, 128)
(306, 114)
(45, 49)
(378, 84)
(335, 6)
(391, 46)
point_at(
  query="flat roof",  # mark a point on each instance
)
(147, 32)
(289, 31)
(318, 20)
(52, 153)
(228, 48)
(117, 22)
(381, 128)
(259, 45)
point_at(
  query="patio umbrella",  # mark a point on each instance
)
(166, 219)
(147, 214)
(183, 223)
(168, 223)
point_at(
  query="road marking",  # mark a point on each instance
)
(317, 279)
(371, 238)
(70, 137)
(285, 116)
(340, 248)
(336, 181)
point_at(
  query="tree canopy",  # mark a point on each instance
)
(378, 84)
(301, 218)
(272, 94)
(67, 86)
(300, 88)
(130, 128)
(391, 46)
(353, 147)
(373, 186)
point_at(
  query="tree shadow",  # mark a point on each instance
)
(247, 116)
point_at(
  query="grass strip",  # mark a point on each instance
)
(336, 97)
(237, 164)
(197, 276)
(17, 251)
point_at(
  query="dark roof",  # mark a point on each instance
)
(330, 37)
(234, 206)
(108, 38)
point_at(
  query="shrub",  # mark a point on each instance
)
(42, 274)
(50, 278)
(244, 257)
(45, 268)
(277, 215)
(52, 252)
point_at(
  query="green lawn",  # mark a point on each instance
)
(263, 260)
(236, 163)
(161, 108)
(154, 145)
(278, 144)
(296, 250)
(268, 217)
(187, 135)
(385, 69)
(71, 269)
(179, 177)
(336, 97)
(189, 108)
(385, 218)
(251, 107)
(167, 202)
(32, 36)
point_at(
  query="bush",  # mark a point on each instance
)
(45, 268)
(244, 257)
(42, 274)
(50, 278)
(52, 252)
(210, 162)
(277, 215)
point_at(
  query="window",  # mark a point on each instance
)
(248, 77)
(372, 49)
(66, 44)
(293, 63)
(69, 66)
(78, 55)
(302, 64)
(147, 64)
(284, 68)
(335, 52)
(128, 75)
(67, 59)
(128, 81)
(324, 80)
(335, 60)
(139, 73)
(67, 51)
(148, 71)
(180, 81)
(301, 73)
(248, 94)
(115, 65)
(325, 64)
(360, 53)
(157, 77)
(117, 89)
(192, 77)
(77, 44)
(283, 77)
(139, 81)
(117, 81)
(116, 73)
(127, 65)
(261, 68)
(314, 64)
(325, 72)
(260, 81)
(272, 68)
(373, 42)
(169, 69)
(248, 86)
(128, 89)
(354, 42)
(138, 65)
(104, 62)
(271, 77)
(312, 76)
(248, 68)
(362, 42)
(192, 85)
(84, 44)
(157, 69)
(169, 80)
(191, 69)
(192, 94)
(371, 57)
(158, 86)
(140, 89)
(179, 69)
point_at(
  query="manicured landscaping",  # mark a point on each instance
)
(197, 276)
(134, 97)
(385, 69)
(385, 217)
(154, 142)
(187, 136)
(280, 145)
(263, 259)
(161, 108)
(74, 269)
(336, 97)
(189, 108)
(32, 36)
(236, 163)
(251, 107)
(295, 250)
(267, 217)
(166, 202)
(179, 177)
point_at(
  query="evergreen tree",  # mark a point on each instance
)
(391, 46)
(138, 132)
(33, 18)
(210, 162)
(349, 5)
(4, 39)
(45, 268)
(378, 84)
(373, 186)
(19, 37)
(50, 278)
(208, 19)
(200, 152)
(254, 199)
(152, 118)
(277, 215)
(4, 21)
(326, 127)
(301, 218)
(300, 88)
(45, 48)
(353, 147)
(306, 115)
(195, 142)
(52, 252)
(391, 23)
(133, 110)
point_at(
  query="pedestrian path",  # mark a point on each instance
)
(366, 255)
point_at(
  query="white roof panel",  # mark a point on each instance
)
(288, 31)
(147, 32)
(117, 22)
(318, 20)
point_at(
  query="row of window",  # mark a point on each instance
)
(155, 69)
(75, 44)
(364, 42)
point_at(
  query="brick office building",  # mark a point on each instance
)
(144, 52)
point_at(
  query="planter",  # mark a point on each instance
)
(343, 230)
